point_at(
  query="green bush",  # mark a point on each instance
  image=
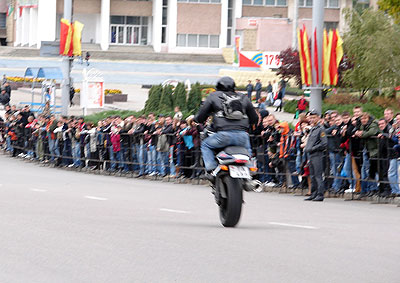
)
(290, 106)
(94, 118)
(180, 96)
(166, 101)
(153, 100)
(194, 99)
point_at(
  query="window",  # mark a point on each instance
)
(265, 2)
(117, 20)
(331, 3)
(201, 1)
(3, 20)
(328, 3)
(230, 23)
(305, 3)
(330, 25)
(133, 20)
(164, 21)
(128, 30)
(197, 40)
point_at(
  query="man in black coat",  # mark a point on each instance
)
(249, 89)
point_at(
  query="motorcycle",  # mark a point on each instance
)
(232, 176)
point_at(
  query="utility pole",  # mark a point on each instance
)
(318, 25)
(66, 65)
(295, 23)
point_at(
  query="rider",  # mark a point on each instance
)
(230, 130)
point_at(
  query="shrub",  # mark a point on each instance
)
(153, 100)
(166, 101)
(180, 96)
(290, 106)
(194, 99)
(343, 98)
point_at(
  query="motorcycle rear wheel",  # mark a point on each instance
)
(231, 206)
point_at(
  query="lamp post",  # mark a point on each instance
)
(318, 25)
(66, 65)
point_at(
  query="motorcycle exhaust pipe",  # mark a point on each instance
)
(254, 185)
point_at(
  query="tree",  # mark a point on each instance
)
(290, 67)
(194, 99)
(153, 100)
(370, 44)
(166, 103)
(392, 7)
(180, 96)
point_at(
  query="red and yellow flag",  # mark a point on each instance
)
(77, 38)
(300, 44)
(316, 63)
(70, 38)
(307, 58)
(326, 80)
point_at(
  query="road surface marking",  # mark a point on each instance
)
(293, 225)
(174, 211)
(38, 190)
(95, 198)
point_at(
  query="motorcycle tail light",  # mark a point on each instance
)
(241, 161)
(224, 167)
(253, 169)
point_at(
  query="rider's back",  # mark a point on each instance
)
(215, 105)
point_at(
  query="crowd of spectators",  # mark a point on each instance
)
(362, 156)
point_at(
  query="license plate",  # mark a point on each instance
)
(239, 172)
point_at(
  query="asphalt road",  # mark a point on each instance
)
(63, 226)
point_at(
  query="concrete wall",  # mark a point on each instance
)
(331, 15)
(199, 18)
(89, 33)
(81, 6)
(269, 34)
(264, 11)
(3, 6)
(131, 8)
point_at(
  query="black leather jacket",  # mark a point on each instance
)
(214, 104)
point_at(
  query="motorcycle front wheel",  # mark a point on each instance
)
(231, 206)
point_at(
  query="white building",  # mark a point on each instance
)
(177, 26)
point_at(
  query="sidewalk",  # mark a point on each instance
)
(137, 97)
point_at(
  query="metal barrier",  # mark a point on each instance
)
(138, 155)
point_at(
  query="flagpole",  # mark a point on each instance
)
(66, 65)
(318, 25)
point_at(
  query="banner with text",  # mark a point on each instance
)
(265, 60)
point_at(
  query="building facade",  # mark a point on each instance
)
(176, 26)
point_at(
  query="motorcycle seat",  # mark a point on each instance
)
(231, 150)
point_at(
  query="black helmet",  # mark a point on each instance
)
(226, 84)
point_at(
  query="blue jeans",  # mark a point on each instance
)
(162, 160)
(365, 185)
(9, 144)
(124, 157)
(141, 155)
(172, 170)
(291, 165)
(348, 170)
(334, 161)
(298, 160)
(54, 149)
(221, 140)
(393, 176)
(151, 159)
(67, 152)
(115, 157)
(76, 154)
